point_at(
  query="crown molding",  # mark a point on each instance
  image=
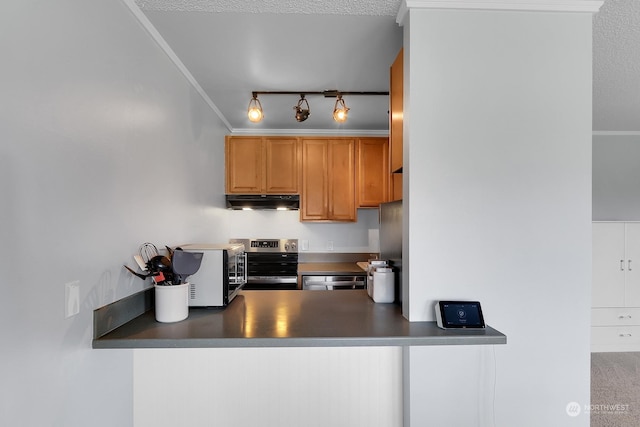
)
(584, 6)
(309, 132)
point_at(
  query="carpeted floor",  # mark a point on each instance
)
(615, 389)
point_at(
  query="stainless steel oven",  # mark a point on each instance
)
(271, 263)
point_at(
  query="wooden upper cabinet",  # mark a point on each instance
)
(262, 165)
(328, 180)
(282, 170)
(395, 127)
(342, 197)
(314, 204)
(396, 111)
(372, 170)
(244, 163)
(333, 175)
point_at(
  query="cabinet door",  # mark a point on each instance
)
(396, 110)
(608, 288)
(244, 163)
(314, 195)
(372, 172)
(632, 267)
(281, 167)
(341, 178)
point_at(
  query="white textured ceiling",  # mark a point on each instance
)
(233, 47)
(232, 54)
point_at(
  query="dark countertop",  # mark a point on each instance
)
(329, 269)
(292, 319)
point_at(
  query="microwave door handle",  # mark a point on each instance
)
(235, 270)
(246, 267)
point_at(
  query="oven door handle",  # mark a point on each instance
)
(345, 285)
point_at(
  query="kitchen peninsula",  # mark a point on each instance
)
(289, 354)
(278, 319)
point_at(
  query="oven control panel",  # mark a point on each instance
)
(268, 245)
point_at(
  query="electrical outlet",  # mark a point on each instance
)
(330, 245)
(304, 245)
(71, 299)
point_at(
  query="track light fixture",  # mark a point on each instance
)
(302, 110)
(302, 114)
(340, 111)
(255, 109)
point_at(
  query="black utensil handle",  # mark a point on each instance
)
(142, 276)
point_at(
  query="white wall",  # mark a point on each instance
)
(346, 237)
(104, 145)
(498, 166)
(616, 177)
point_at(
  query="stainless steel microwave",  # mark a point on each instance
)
(222, 274)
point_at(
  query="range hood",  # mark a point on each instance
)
(263, 201)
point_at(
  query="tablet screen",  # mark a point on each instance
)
(461, 314)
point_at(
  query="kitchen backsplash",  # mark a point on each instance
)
(356, 237)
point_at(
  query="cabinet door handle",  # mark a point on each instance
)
(624, 316)
(625, 335)
(629, 265)
(621, 265)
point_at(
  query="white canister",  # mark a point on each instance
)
(172, 302)
(383, 285)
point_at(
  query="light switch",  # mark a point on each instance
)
(71, 299)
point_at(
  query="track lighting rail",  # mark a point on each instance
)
(302, 110)
(325, 93)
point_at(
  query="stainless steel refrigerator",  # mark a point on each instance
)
(391, 241)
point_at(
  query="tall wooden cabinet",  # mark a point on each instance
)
(328, 180)
(615, 315)
(396, 120)
(262, 165)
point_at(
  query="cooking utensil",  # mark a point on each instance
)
(157, 276)
(159, 263)
(140, 262)
(147, 251)
(185, 264)
(160, 266)
(169, 252)
(142, 276)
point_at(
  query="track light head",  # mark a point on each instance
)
(302, 113)
(254, 112)
(340, 110)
